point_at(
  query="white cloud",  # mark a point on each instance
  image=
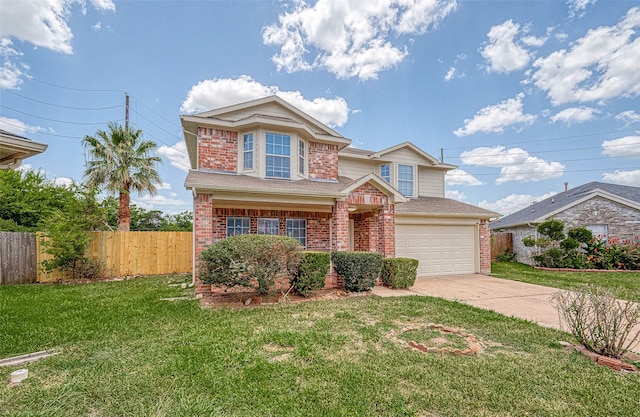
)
(502, 51)
(164, 186)
(577, 7)
(497, 117)
(62, 181)
(561, 37)
(575, 115)
(42, 23)
(18, 127)
(628, 117)
(351, 38)
(514, 202)
(461, 177)
(455, 195)
(628, 146)
(515, 164)
(148, 202)
(453, 73)
(599, 66)
(220, 92)
(97, 26)
(11, 70)
(631, 178)
(178, 156)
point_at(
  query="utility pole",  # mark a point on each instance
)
(441, 153)
(126, 112)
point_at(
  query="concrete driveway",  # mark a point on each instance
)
(511, 298)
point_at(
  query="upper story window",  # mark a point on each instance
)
(385, 172)
(405, 180)
(301, 157)
(248, 152)
(267, 226)
(237, 226)
(278, 151)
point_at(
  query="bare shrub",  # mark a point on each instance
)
(601, 322)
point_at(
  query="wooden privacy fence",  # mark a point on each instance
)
(501, 242)
(17, 258)
(133, 253)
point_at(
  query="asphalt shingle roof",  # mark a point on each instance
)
(439, 206)
(563, 199)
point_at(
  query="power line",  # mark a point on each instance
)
(64, 107)
(54, 120)
(78, 89)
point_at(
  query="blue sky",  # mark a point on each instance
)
(522, 95)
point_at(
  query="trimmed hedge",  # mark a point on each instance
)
(252, 261)
(359, 270)
(399, 272)
(310, 274)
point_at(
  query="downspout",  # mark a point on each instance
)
(193, 239)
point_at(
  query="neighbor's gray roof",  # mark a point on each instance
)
(440, 206)
(540, 210)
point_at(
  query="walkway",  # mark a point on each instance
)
(512, 298)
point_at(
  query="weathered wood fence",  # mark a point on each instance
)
(121, 254)
(17, 258)
(501, 242)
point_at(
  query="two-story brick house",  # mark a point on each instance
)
(266, 167)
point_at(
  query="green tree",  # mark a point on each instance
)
(27, 199)
(148, 220)
(121, 161)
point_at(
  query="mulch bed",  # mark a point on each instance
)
(248, 298)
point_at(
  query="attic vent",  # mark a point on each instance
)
(552, 201)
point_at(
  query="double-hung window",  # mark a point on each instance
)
(385, 173)
(301, 157)
(278, 150)
(248, 152)
(297, 229)
(405, 180)
(268, 226)
(237, 226)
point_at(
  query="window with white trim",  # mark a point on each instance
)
(301, 157)
(278, 154)
(600, 231)
(297, 229)
(237, 226)
(385, 173)
(405, 180)
(268, 226)
(247, 152)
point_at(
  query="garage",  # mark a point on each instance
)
(441, 249)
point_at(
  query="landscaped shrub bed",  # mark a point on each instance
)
(581, 250)
(310, 273)
(359, 270)
(399, 272)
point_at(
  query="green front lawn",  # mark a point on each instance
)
(626, 281)
(126, 352)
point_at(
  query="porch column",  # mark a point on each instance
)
(387, 229)
(202, 235)
(340, 226)
(485, 247)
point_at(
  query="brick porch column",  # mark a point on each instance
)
(340, 223)
(202, 235)
(387, 230)
(485, 247)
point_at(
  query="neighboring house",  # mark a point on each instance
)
(14, 149)
(608, 210)
(266, 167)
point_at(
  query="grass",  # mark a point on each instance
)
(627, 282)
(127, 352)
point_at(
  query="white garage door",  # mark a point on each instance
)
(441, 250)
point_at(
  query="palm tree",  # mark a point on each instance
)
(121, 161)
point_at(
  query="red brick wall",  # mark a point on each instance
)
(387, 227)
(485, 247)
(203, 234)
(217, 149)
(323, 160)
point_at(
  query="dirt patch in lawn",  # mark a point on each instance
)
(248, 298)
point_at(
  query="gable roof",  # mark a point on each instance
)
(445, 207)
(14, 148)
(251, 114)
(539, 212)
(380, 155)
